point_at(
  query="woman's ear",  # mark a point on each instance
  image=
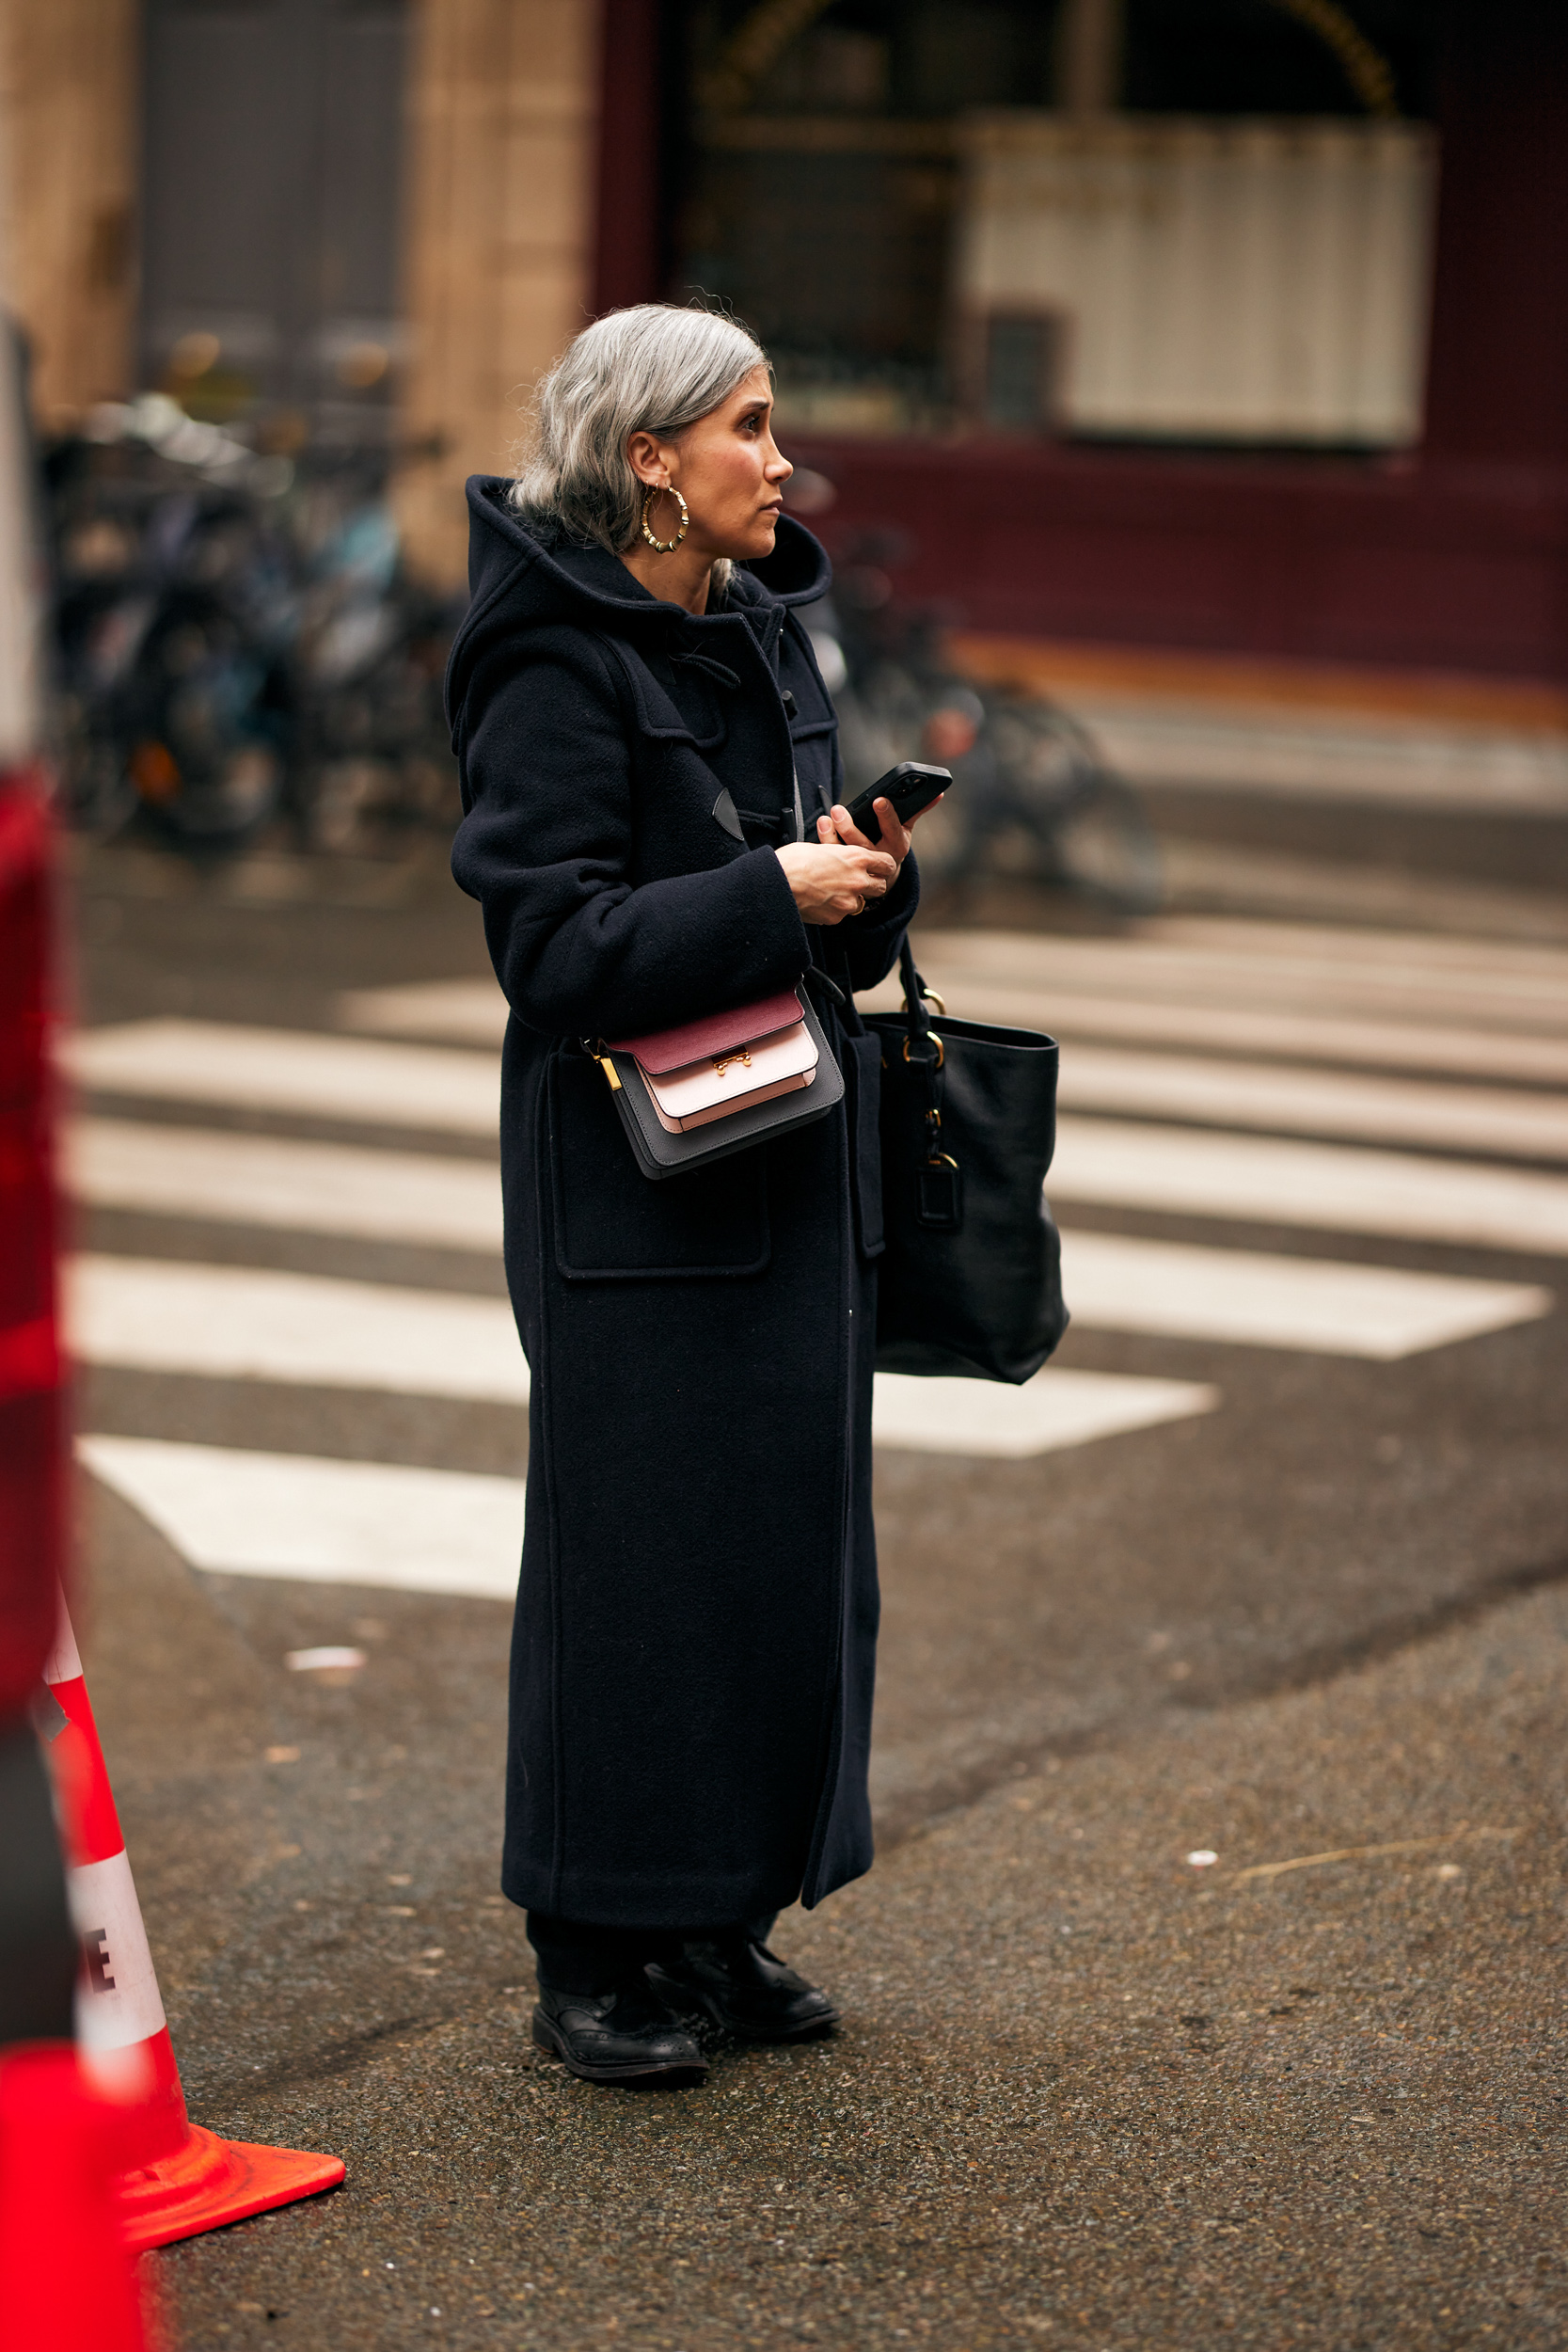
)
(647, 458)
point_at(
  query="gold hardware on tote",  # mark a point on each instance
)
(935, 1041)
(610, 1070)
(931, 997)
(744, 1059)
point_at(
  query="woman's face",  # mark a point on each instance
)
(728, 470)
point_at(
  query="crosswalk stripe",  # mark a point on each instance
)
(292, 1070)
(1316, 1102)
(1347, 980)
(326, 1522)
(473, 1012)
(455, 1204)
(462, 1012)
(274, 1181)
(1114, 1282)
(1316, 1036)
(299, 1517)
(1334, 944)
(1337, 1187)
(1053, 1411)
(244, 1323)
(446, 1090)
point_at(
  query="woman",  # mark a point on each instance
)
(653, 824)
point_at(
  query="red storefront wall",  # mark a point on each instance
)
(1456, 558)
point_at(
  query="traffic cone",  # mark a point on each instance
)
(178, 2179)
(67, 2279)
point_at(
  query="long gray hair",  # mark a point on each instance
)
(654, 369)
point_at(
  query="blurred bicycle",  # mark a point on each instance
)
(237, 640)
(1037, 799)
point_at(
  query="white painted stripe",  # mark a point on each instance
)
(1334, 1186)
(1172, 1289)
(237, 1323)
(1493, 1054)
(292, 1070)
(1316, 1102)
(1330, 944)
(242, 1323)
(244, 1514)
(335, 1188)
(465, 1013)
(1334, 973)
(64, 1662)
(473, 1012)
(264, 1180)
(1053, 1410)
(118, 2002)
(457, 1092)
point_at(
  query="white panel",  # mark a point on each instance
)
(324, 1522)
(238, 1323)
(118, 2002)
(264, 1180)
(1334, 1186)
(1256, 280)
(1114, 1282)
(1053, 1410)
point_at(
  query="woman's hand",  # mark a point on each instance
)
(894, 842)
(834, 878)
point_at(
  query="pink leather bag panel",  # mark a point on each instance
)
(716, 1033)
(705, 1091)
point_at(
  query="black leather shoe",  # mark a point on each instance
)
(739, 1984)
(620, 2037)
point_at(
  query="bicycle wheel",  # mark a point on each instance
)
(1103, 846)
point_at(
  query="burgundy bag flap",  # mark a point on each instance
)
(717, 1033)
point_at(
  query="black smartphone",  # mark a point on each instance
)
(910, 786)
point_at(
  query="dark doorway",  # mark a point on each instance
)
(272, 163)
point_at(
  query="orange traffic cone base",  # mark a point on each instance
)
(209, 2181)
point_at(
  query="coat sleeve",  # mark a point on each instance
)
(871, 940)
(545, 845)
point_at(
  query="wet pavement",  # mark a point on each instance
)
(1087, 2090)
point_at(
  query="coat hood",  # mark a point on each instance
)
(519, 578)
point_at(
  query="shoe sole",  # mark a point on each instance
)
(671, 1990)
(554, 2044)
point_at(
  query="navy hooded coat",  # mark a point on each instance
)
(694, 1643)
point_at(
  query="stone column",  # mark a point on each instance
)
(69, 104)
(499, 238)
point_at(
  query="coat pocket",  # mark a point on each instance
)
(612, 1225)
(862, 1072)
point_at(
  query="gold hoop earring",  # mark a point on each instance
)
(663, 546)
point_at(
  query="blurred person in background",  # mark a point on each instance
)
(654, 827)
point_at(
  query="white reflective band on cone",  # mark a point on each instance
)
(117, 1997)
(63, 1664)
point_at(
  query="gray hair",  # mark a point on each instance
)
(654, 369)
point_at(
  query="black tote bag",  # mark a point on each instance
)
(971, 1279)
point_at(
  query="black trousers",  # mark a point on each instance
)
(574, 1957)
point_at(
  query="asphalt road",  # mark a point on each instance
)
(1087, 2092)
